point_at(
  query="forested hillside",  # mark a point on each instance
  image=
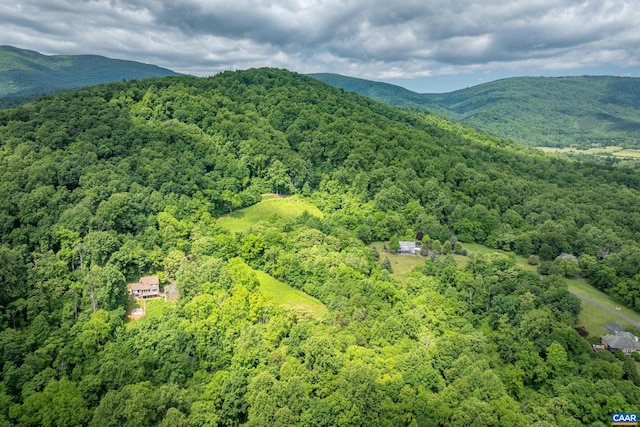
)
(385, 92)
(103, 185)
(553, 111)
(25, 74)
(536, 111)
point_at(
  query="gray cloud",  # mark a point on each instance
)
(374, 38)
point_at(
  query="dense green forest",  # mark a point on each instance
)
(105, 184)
(25, 74)
(537, 111)
(387, 93)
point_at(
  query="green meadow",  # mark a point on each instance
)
(593, 317)
(283, 295)
(154, 308)
(271, 207)
(615, 151)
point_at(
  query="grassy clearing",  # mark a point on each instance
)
(614, 151)
(592, 317)
(271, 206)
(401, 264)
(274, 207)
(154, 308)
(628, 153)
(481, 249)
(283, 295)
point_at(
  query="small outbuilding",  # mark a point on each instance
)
(171, 292)
(408, 248)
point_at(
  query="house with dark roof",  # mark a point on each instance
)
(614, 328)
(625, 341)
(147, 287)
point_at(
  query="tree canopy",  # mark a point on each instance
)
(107, 184)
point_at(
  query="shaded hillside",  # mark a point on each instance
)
(538, 111)
(384, 92)
(552, 111)
(25, 74)
(106, 184)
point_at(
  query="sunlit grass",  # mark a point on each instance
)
(401, 264)
(593, 317)
(274, 207)
(615, 151)
(628, 153)
(283, 295)
(286, 208)
(154, 308)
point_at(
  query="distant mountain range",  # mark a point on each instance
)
(25, 74)
(539, 111)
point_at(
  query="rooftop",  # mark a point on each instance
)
(623, 340)
(149, 280)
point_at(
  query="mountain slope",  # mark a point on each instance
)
(119, 181)
(384, 92)
(25, 74)
(539, 111)
(552, 111)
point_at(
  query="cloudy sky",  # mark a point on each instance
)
(425, 45)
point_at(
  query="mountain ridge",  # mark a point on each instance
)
(26, 74)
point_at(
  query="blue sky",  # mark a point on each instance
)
(426, 46)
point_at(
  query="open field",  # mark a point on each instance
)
(287, 208)
(593, 317)
(283, 295)
(156, 307)
(271, 205)
(628, 154)
(403, 264)
(614, 151)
